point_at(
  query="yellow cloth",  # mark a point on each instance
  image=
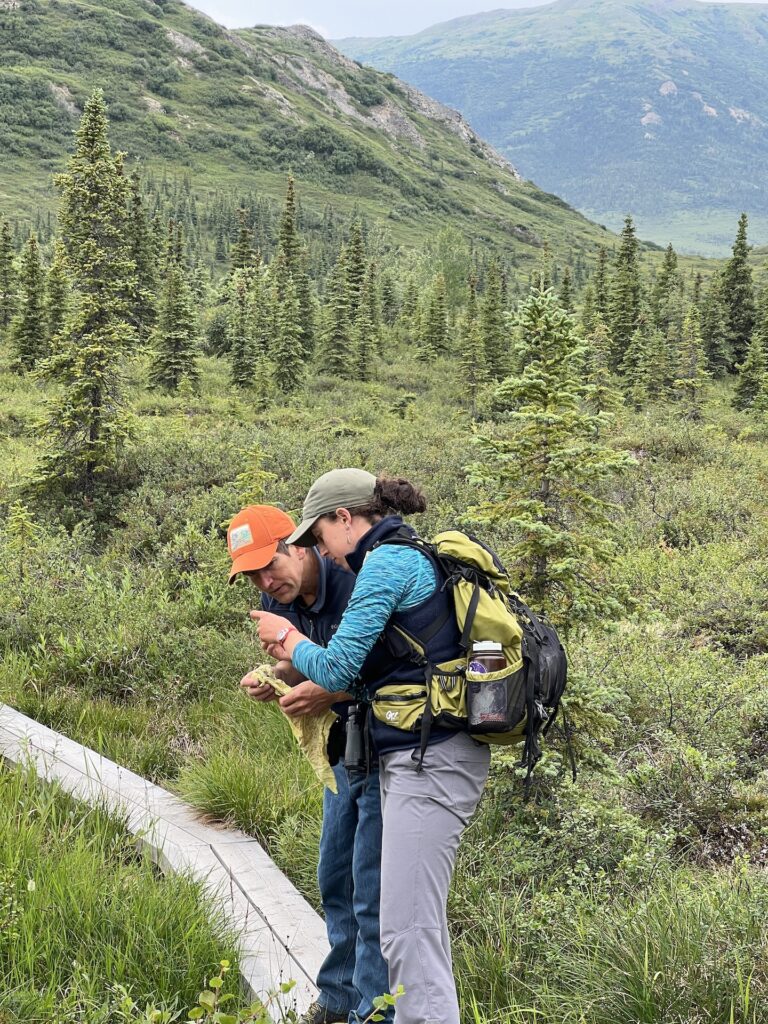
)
(311, 731)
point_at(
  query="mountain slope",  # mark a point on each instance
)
(659, 106)
(241, 109)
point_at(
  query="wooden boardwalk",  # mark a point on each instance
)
(282, 938)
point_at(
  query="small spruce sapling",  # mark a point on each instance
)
(545, 472)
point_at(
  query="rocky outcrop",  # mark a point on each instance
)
(387, 116)
(453, 120)
(184, 43)
(61, 94)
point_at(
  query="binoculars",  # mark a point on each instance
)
(356, 746)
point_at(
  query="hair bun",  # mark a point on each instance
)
(396, 494)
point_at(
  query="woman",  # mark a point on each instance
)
(351, 514)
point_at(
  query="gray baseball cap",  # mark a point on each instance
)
(341, 488)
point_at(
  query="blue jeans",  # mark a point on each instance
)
(349, 876)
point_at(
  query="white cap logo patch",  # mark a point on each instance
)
(240, 537)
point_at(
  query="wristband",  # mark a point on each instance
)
(283, 634)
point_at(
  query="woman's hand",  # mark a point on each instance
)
(269, 625)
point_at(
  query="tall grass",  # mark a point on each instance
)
(253, 777)
(693, 949)
(81, 911)
(579, 908)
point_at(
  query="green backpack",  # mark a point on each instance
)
(514, 705)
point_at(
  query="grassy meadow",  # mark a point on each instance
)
(87, 925)
(637, 894)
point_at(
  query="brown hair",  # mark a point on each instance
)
(391, 495)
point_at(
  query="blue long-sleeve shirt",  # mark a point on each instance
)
(393, 578)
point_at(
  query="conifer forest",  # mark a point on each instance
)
(597, 411)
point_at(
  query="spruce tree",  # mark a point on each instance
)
(356, 267)
(409, 311)
(288, 241)
(370, 311)
(287, 353)
(692, 374)
(602, 395)
(290, 277)
(8, 278)
(86, 424)
(714, 328)
(543, 278)
(739, 296)
(306, 300)
(661, 365)
(625, 294)
(264, 378)
(698, 281)
(220, 249)
(264, 303)
(471, 308)
(760, 404)
(471, 368)
(545, 471)
(635, 377)
(242, 255)
(669, 283)
(602, 285)
(175, 337)
(675, 317)
(364, 342)
(371, 297)
(29, 328)
(200, 283)
(589, 316)
(750, 374)
(141, 248)
(390, 306)
(492, 324)
(434, 327)
(175, 251)
(57, 295)
(241, 330)
(761, 320)
(338, 357)
(566, 291)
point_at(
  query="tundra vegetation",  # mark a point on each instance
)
(604, 428)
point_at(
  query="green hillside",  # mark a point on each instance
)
(658, 108)
(237, 110)
(608, 436)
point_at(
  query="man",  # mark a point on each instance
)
(312, 593)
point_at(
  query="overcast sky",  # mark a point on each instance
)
(338, 18)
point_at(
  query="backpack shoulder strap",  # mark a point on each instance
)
(405, 538)
(417, 644)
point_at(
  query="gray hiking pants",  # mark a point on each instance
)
(424, 814)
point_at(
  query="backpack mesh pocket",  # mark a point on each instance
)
(495, 700)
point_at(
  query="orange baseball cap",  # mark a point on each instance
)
(253, 536)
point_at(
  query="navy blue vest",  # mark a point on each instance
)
(390, 661)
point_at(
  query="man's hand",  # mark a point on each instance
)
(257, 690)
(285, 671)
(309, 699)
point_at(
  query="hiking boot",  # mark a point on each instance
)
(319, 1014)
